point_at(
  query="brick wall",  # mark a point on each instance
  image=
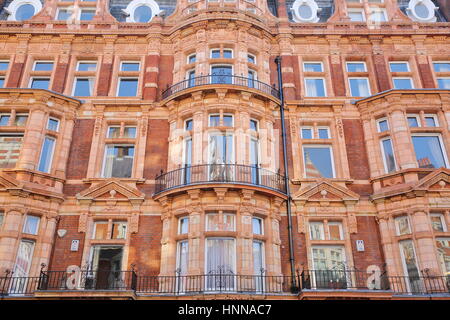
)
(156, 150)
(300, 251)
(165, 73)
(425, 74)
(80, 149)
(356, 149)
(337, 78)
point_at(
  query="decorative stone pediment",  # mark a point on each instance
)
(326, 191)
(437, 180)
(111, 191)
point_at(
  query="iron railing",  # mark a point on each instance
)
(220, 173)
(18, 286)
(420, 285)
(221, 79)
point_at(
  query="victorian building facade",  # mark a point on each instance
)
(141, 149)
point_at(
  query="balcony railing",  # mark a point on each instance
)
(220, 173)
(307, 280)
(221, 79)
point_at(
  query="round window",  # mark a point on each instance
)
(142, 13)
(25, 12)
(305, 11)
(421, 11)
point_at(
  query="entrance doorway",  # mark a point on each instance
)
(105, 268)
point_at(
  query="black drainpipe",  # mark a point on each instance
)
(286, 175)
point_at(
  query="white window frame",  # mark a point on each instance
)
(43, 61)
(13, 6)
(319, 62)
(375, 10)
(408, 69)
(381, 120)
(37, 226)
(124, 78)
(223, 53)
(397, 229)
(179, 225)
(189, 57)
(403, 78)
(57, 126)
(411, 12)
(86, 61)
(40, 77)
(215, 49)
(118, 145)
(253, 57)
(368, 85)
(309, 128)
(434, 62)
(319, 146)
(85, 9)
(324, 86)
(322, 230)
(218, 114)
(94, 231)
(357, 10)
(122, 222)
(185, 124)
(261, 221)
(51, 154)
(133, 5)
(68, 9)
(441, 144)
(442, 218)
(83, 77)
(354, 62)
(130, 61)
(383, 154)
(443, 78)
(416, 116)
(436, 121)
(328, 132)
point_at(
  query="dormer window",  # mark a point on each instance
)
(141, 11)
(422, 10)
(20, 10)
(305, 11)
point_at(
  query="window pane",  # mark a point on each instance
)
(315, 88)
(101, 230)
(113, 132)
(318, 162)
(25, 12)
(316, 231)
(228, 54)
(130, 66)
(189, 125)
(52, 124)
(323, 134)
(4, 65)
(436, 222)
(192, 58)
(409, 259)
(403, 225)
(356, 16)
(228, 121)
(31, 225)
(312, 67)
(42, 83)
(2, 215)
(214, 121)
(441, 66)
(359, 87)
(23, 262)
(128, 87)
(119, 161)
(43, 66)
(428, 151)
(258, 262)
(46, 155)
(378, 16)
(83, 87)
(63, 15)
(119, 230)
(215, 54)
(87, 15)
(356, 67)
(257, 226)
(443, 249)
(383, 125)
(402, 83)
(10, 149)
(254, 125)
(20, 120)
(184, 225)
(399, 67)
(430, 122)
(251, 59)
(335, 231)
(444, 83)
(87, 66)
(142, 14)
(388, 155)
(413, 122)
(129, 132)
(4, 119)
(307, 133)
(2, 82)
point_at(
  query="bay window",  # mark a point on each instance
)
(220, 222)
(183, 225)
(220, 263)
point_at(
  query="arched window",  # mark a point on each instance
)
(20, 10)
(422, 10)
(141, 11)
(305, 11)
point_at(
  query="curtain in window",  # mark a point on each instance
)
(220, 261)
(443, 248)
(220, 152)
(410, 264)
(24, 257)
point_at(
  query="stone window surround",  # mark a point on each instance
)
(30, 73)
(368, 7)
(5, 73)
(435, 74)
(412, 72)
(76, 6)
(325, 75)
(73, 73)
(368, 74)
(117, 74)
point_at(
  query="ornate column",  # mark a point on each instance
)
(9, 240)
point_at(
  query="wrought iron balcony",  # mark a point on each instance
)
(220, 173)
(221, 79)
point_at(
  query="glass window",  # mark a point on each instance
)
(335, 230)
(46, 155)
(182, 259)
(307, 133)
(228, 54)
(359, 87)
(53, 124)
(443, 83)
(253, 125)
(399, 66)
(113, 132)
(192, 58)
(324, 133)
(87, 15)
(257, 225)
(441, 66)
(258, 263)
(129, 132)
(101, 230)
(4, 65)
(118, 161)
(20, 120)
(378, 16)
(443, 249)
(316, 231)
(215, 54)
(119, 230)
(356, 67)
(413, 121)
(142, 14)
(318, 162)
(127, 87)
(305, 12)
(87, 66)
(23, 263)
(220, 222)
(383, 125)
(130, 66)
(63, 14)
(183, 226)
(431, 121)
(402, 224)
(357, 16)
(328, 258)
(189, 125)
(25, 12)
(2, 216)
(4, 119)
(214, 120)
(31, 225)
(410, 264)
(228, 120)
(43, 66)
(429, 151)
(402, 83)
(84, 87)
(388, 155)
(437, 222)
(10, 146)
(315, 87)
(40, 83)
(251, 58)
(312, 67)
(2, 82)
